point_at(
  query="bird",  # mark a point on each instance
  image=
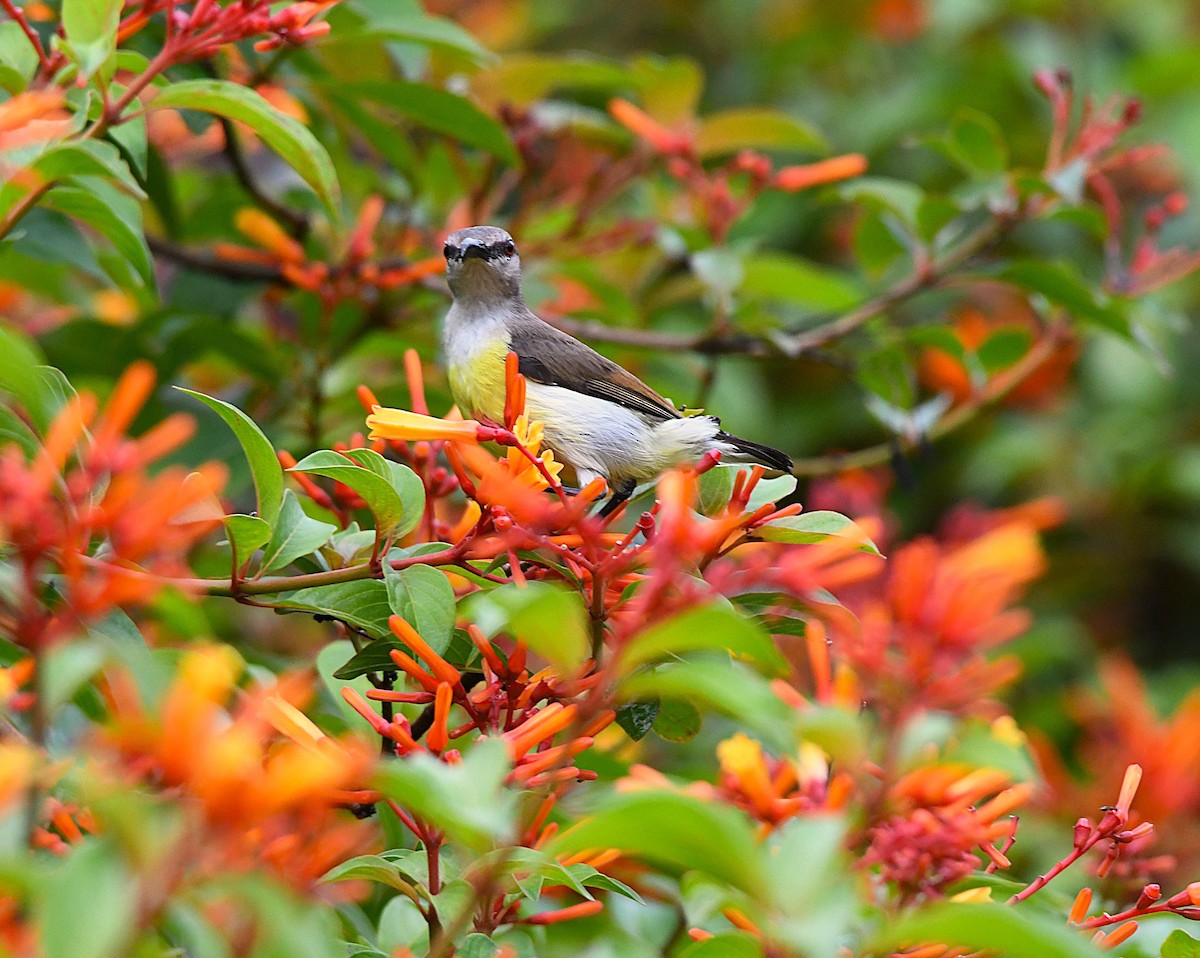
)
(597, 417)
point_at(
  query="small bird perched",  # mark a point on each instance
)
(598, 418)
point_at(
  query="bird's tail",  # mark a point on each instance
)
(736, 449)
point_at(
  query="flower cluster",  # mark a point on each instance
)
(265, 783)
(938, 822)
(92, 507)
(721, 196)
(1087, 153)
(358, 275)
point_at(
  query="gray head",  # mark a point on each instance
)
(482, 264)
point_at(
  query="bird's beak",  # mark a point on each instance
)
(473, 250)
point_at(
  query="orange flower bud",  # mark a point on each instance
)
(258, 226)
(793, 178)
(641, 124)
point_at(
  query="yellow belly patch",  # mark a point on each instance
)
(478, 383)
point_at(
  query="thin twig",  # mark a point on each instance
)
(297, 223)
(1000, 386)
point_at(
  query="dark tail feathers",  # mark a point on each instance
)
(747, 451)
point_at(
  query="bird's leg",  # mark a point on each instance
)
(620, 495)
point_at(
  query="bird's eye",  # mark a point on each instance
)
(510, 248)
(448, 251)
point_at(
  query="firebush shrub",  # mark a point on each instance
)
(294, 660)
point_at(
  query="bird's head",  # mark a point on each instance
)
(482, 264)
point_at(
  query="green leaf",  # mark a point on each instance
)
(677, 721)
(293, 534)
(67, 668)
(588, 876)
(438, 110)
(286, 136)
(116, 216)
(18, 59)
(776, 277)
(91, 30)
(88, 158)
(982, 926)
(423, 596)
(373, 657)
(468, 801)
(724, 687)
(714, 626)
(247, 534)
(802, 858)
(13, 430)
(676, 831)
(730, 944)
(19, 363)
(716, 486)
(391, 491)
(977, 144)
(549, 619)
(670, 87)
(637, 718)
(809, 527)
(403, 23)
(103, 899)
(899, 196)
(1003, 348)
(754, 128)
(840, 733)
(264, 466)
(362, 604)
(524, 78)
(1179, 944)
(477, 945)
(1061, 284)
(376, 869)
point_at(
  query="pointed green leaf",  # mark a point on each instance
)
(1180, 944)
(721, 686)
(715, 626)
(113, 214)
(247, 534)
(637, 718)
(468, 800)
(376, 869)
(755, 128)
(389, 489)
(423, 596)
(549, 619)
(264, 466)
(676, 831)
(293, 534)
(288, 137)
(438, 110)
(362, 604)
(677, 721)
(88, 158)
(91, 30)
(810, 527)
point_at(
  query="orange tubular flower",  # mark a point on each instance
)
(387, 423)
(793, 178)
(641, 124)
(261, 772)
(940, 826)
(258, 226)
